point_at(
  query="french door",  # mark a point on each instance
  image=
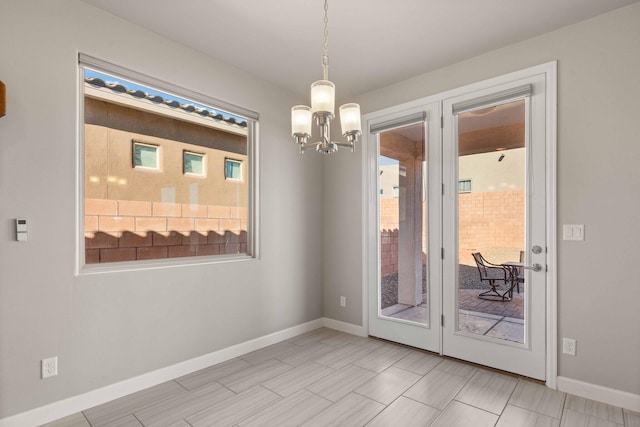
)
(404, 242)
(457, 234)
(494, 207)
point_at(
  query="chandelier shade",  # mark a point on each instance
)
(301, 120)
(350, 118)
(323, 97)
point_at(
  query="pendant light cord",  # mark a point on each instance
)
(325, 52)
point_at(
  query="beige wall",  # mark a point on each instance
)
(488, 174)
(109, 173)
(598, 178)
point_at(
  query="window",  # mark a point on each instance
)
(179, 210)
(396, 191)
(233, 169)
(145, 156)
(464, 186)
(193, 163)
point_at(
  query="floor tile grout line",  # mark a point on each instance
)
(175, 380)
(417, 401)
(509, 398)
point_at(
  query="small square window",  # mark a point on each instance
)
(464, 186)
(145, 156)
(233, 169)
(193, 163)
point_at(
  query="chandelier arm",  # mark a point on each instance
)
(310, 145)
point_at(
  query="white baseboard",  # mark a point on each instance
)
(611, 396)
(72, 405)
(349, 328)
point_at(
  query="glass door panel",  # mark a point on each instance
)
(491, 221)
(402, 226)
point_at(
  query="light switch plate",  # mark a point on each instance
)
(573, 232)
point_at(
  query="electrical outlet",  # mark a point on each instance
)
(569, 346)
(343, 301)
(49, 367)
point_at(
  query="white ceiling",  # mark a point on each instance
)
(372, 43)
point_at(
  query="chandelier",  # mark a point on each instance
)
(322, 110)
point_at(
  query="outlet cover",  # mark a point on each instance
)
(343, 301)
(49, 367)
(569, 346)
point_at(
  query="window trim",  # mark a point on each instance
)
(252, 174)
(460, 181)
(204, 164)
(230, 178)
(135, 142)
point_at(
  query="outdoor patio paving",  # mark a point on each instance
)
(497, 319)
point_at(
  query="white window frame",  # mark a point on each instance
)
(253, 202)
(204, 164)
(144, 144)
(230, 178)
(460, 181)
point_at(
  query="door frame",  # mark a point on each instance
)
(369, 267)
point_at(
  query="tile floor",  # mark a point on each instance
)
(326, 377)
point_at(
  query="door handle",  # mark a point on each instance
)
(534, 267)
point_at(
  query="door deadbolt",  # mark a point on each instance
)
(536, 249)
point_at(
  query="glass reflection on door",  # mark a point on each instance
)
(404, 291)
(491, 221)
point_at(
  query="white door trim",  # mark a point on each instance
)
(550, 71)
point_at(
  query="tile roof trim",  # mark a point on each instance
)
(118, 93)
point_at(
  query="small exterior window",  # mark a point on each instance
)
(464, 186)
(381, 191)
(145, 156)
(396, 191)
(193, 164)
(233, 169)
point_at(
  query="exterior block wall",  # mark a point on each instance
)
(389, 217)
(491, 220)
(487, 221)
(123, 230)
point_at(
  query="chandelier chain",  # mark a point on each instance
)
(325, 51)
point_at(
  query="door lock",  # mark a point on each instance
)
(536, 249)
(534, 267)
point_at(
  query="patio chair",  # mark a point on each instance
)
(494, 274)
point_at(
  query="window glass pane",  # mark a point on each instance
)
(147, 190)
(145, 156)
(233, 169)
(464, 186)
(194, 164)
